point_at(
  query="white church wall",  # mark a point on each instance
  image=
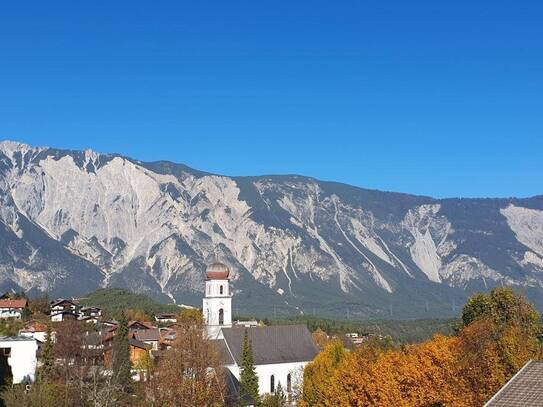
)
(280, 371)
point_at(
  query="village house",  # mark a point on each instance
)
(150, 337)
(280, 352)
(165, 318)
(90, 319)
(62, 304)
(12, 308)
(63, 316)
(138, 351)
(63, 309)
(94, 312)
(19, 354)
(35, 330)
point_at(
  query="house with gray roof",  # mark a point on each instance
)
(280, 352)
(525, 389)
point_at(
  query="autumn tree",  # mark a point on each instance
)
(190, 315)
(68, 348)
(188, 374)
(318, 374)
(499, 335)
(320, 338)
(136, 315)
(248, 382)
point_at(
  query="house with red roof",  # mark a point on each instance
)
(12, 308)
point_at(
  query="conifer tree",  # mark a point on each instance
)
(248, 377)
(121, 356)
(48, 357)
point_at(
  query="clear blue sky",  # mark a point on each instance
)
(428, 97)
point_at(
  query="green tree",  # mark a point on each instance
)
(121, 356)
(248, 377)
(503, 307)
(48, 357)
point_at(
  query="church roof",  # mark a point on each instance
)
(272, 344)
(224, 354)
(217, 271)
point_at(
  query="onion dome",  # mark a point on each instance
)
(217, 271)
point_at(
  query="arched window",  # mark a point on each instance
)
(220, 290)
(272, 384)
(221, 317)
(289, 383)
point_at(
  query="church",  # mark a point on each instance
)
(280, 352)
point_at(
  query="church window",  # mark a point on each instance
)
(289, 383)
(220, 290)
(272, 384)
(221, 317)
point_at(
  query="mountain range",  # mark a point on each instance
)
(75, 221)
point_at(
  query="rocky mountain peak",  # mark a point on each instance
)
(71, 221)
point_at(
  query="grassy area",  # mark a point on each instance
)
(114, 300)
(408, 331)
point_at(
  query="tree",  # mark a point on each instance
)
(318, 374)
(278, 399)
(121, 366)
(137, 315)
(68, 349)
(190, 315)
(189, 374)
(499, 335)
(39, 305)
(40, 394)
(502, 306)
(47, 357)
(320, 338)
(248, 379)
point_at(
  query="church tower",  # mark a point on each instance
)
(217, 303)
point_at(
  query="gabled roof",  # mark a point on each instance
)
(525, 389)
(140, 325)
(147, 334)
(272, 344)
(60, 301)
(13, 303)
(224, 354)
(34, 327)
(138, 344)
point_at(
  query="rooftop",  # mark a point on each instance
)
(13, 303)
(525, 389)
(272, 344)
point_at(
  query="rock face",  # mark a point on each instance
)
(73, 221)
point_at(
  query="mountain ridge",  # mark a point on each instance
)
(294, 242)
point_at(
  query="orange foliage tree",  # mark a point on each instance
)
(500, 334)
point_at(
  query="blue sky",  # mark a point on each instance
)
(434, 98)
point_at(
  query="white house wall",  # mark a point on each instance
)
(22, 358)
